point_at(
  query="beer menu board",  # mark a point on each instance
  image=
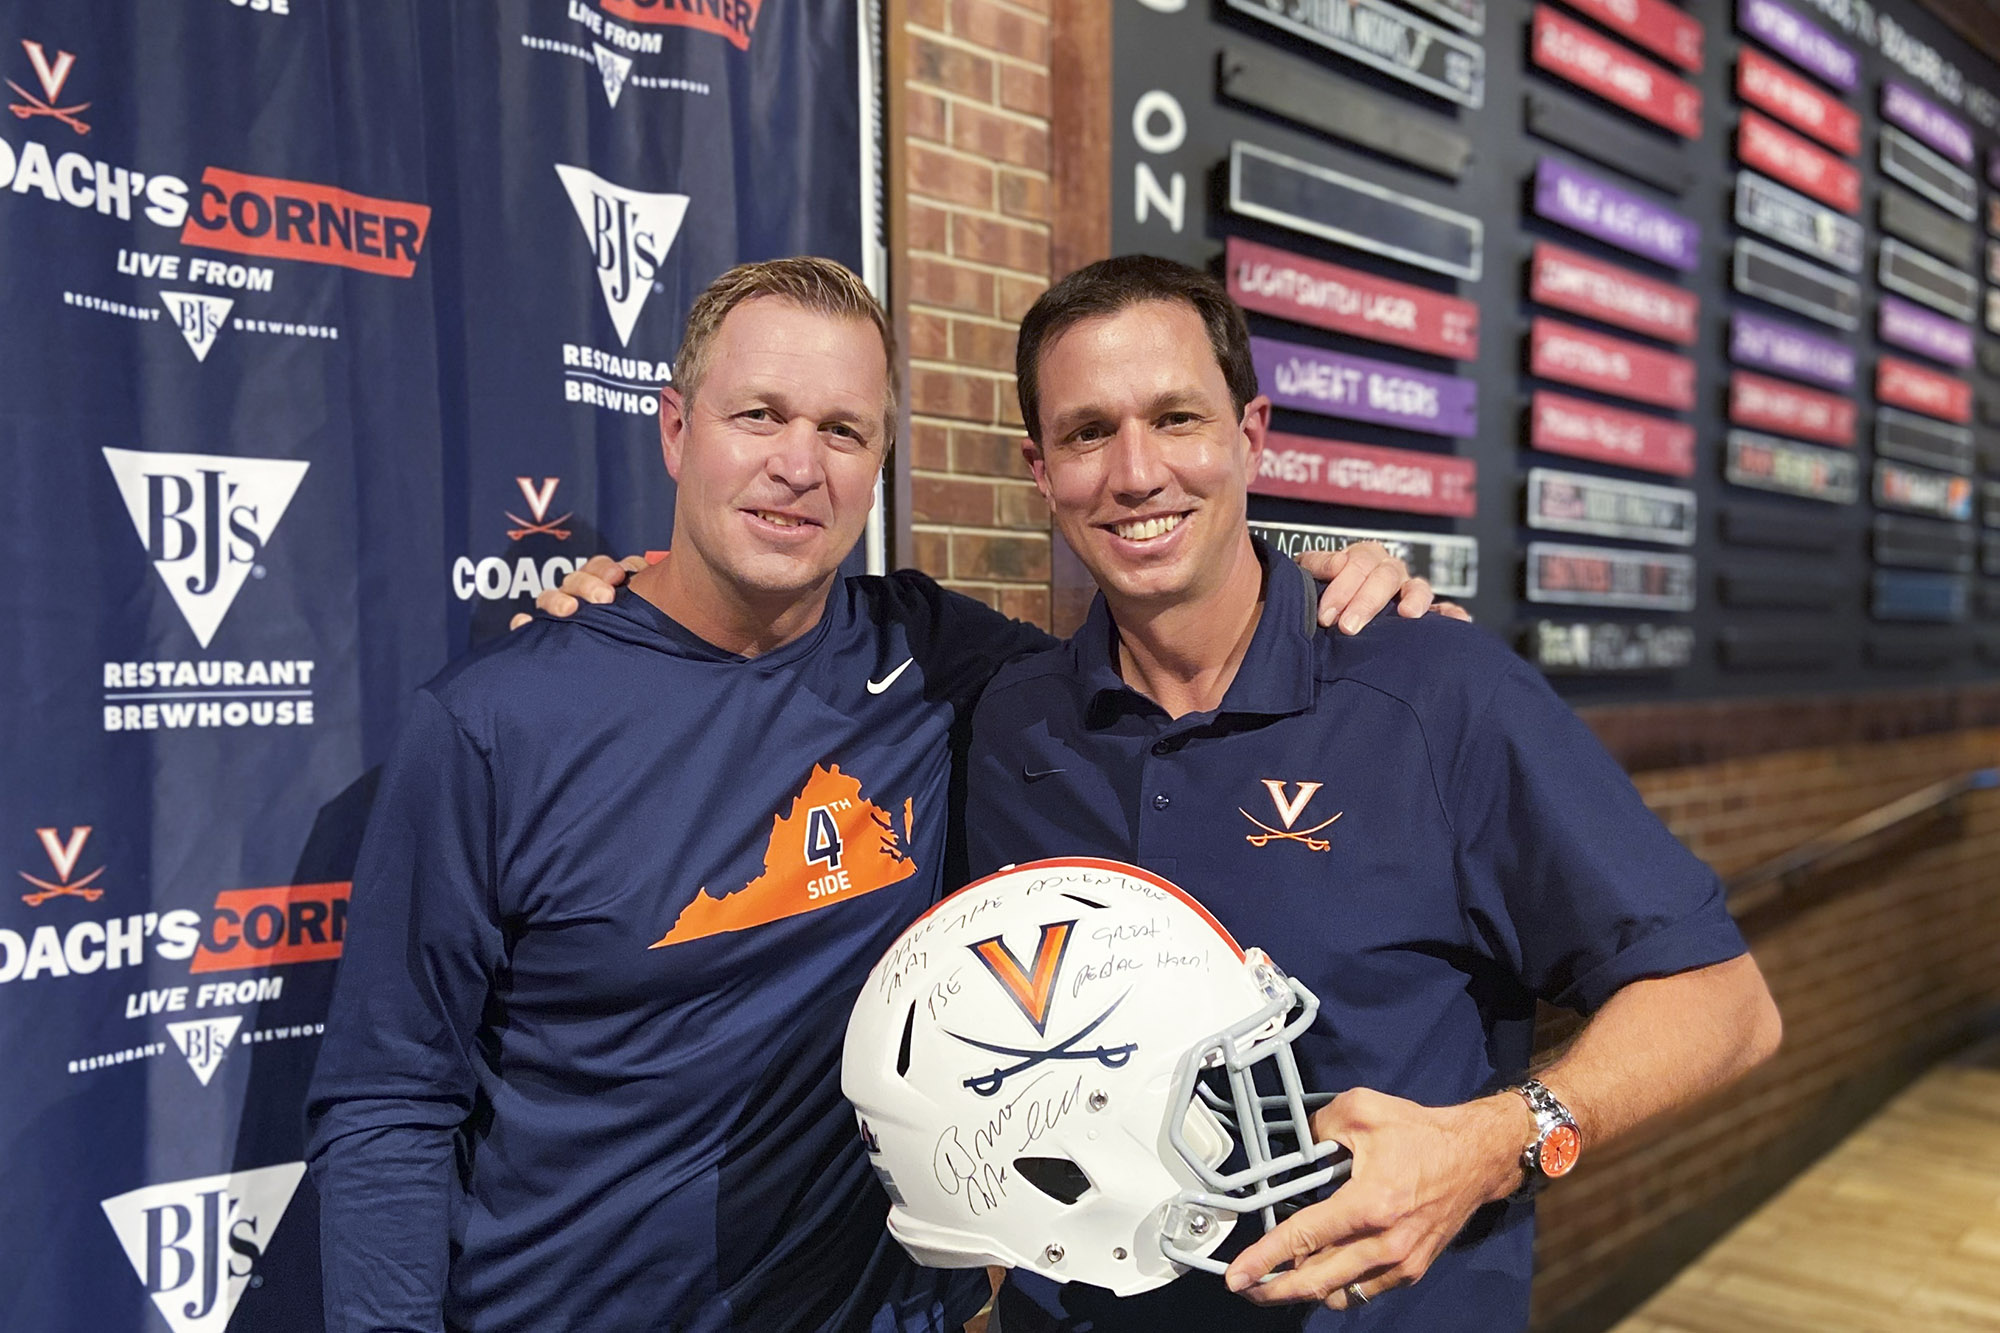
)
(1665, 334)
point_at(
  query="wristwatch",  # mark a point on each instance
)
(1556, 1144)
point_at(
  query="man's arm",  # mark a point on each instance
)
(1361, 580)
(1420, 1172)
(395, 1077)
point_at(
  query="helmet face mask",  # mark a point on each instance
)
(1030, 1062)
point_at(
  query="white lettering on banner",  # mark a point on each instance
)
(209, 995)
(496, 580)
(92, 946)
(82, 182)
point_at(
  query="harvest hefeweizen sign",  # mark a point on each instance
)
(1559, 424)
(1583, 285)
(1789, 350)
(1907, 384)
(1617, 217)
(1336, 472)
(1905, 106)
(1598, 65)
(1592, 360)
(1800, 41)
(1768, 404)
(1914, 329)
(1762, 143)
(1312, 379)
(1656, 25)
(1800, 103)
(1328, 296)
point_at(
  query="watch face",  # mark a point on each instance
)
(1559, 1150)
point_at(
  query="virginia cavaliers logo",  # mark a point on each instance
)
(538, 498)
(52, 77)
(1032, 988)
(63, 856)
(1289, 810)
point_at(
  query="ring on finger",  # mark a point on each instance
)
(1356, 1297)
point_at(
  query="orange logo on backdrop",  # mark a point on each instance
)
(830, 846)
(319, 224)
(63, 856)
(292, 923)
(732, 19)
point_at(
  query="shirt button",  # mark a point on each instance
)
(1164, 747)
(1162, 801)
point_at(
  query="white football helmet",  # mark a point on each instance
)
(1026, 1065)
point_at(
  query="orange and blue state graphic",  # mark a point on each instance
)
(832, 844)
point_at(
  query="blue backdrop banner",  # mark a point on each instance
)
(331, 331)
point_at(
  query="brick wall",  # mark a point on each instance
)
(976, 121)
(1875, 965)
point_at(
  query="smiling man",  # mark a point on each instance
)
(1407, 820)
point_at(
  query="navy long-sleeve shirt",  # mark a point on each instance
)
(617, 896)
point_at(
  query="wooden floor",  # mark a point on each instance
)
(1897, 1230)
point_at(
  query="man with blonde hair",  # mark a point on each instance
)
(627, 872)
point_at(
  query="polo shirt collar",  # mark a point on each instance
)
(1277, 676)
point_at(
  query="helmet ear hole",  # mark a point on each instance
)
(1057, 1177)
(903, 1050)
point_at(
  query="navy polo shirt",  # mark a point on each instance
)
(1407, 820)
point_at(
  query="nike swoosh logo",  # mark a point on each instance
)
(877, 686)
(1037, 774)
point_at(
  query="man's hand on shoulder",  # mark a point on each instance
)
(1362, 579)
(1419, 1174)
(595, 580)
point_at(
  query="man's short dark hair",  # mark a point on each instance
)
(1109, 286)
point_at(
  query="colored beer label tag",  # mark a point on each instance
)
(1583, 285)
(1770, 148)
(1617, 217)
(1906, 384)
(1789, 350)
(1363, 305)
(1664, 29)
(1928, 598)
(1801, 41)
(1904, 106)
(1920, 491)
(1620, 76)
(1762, 403)
(1798, 101)
(1335, 384)
(1590, 360)
(1577, 428)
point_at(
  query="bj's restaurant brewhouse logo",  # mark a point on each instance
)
(195, 1244)
(205, 521)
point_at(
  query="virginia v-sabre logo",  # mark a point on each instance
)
(629, 233)
(204, 520)
(194, 1243)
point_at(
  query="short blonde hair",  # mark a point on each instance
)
(819, 285)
